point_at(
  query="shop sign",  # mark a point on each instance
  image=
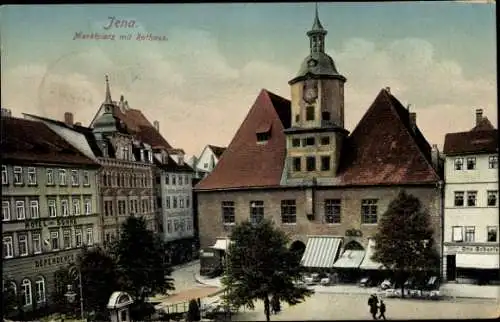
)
(353, 233)
(473, 249)
(207, 254)
(56, 222)
(54, 260)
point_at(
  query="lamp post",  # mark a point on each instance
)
(70, 294)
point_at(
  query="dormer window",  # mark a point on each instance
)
(125, 153)
(263, 133)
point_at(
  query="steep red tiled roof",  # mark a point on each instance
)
(246, 163)
(32, 141)
(471, 142)
(383, 148)
(217, 150)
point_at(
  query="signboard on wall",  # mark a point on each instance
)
(50, 222)
(54, 260)
(473, 249)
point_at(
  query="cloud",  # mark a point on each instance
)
(199, 98)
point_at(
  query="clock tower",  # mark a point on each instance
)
(314, 140)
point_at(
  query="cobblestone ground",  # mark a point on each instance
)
(354, 307)
(184, 276)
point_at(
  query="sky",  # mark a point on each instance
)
(208, 62)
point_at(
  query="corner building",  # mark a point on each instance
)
(294, 162)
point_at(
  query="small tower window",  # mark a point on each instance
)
(325, 140)
(311, 163)
(325, 163)
(325, 116)
(295, 143)
(262, 137)
(308, 141)
(296, 164)
(310, 113)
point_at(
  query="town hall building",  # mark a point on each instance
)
(294, 162)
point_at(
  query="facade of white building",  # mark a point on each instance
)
(206, 161)
(471, 222)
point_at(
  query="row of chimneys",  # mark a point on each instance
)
(68, 119)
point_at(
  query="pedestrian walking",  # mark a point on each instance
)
(373, 304)
(382, 310)
(275, 304)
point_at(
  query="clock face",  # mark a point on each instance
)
(312, 62)
(310, 90)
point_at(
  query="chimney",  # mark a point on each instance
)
(388, 89)
(479, 115)
(78, 123)
(435, 156)
(157, 125)
(68, 118)
(413, 120)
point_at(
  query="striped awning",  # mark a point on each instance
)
(350, 259)
(321, 251)
(368, 263)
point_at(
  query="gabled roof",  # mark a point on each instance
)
(246, 163)
(34, 142)
(483, 138)
(217, 150)
(484, 125)
(382, 149)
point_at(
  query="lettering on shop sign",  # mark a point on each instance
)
(58, 222)
(353, 233)
(474, 249)
(50, 261)
(207, 254)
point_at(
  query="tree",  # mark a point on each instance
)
(193, 311)
(260, 265)
(140, 260)
(99, 280)
(404, 241)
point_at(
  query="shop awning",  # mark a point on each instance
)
(368, 263)
(481, 261)
(350, 259)
(221, 244)
(321, 251)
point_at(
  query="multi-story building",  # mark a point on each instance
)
(471, 242)
(295, 163)
(207, 160)
(49, 207)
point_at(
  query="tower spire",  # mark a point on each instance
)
(317, 34)
(107, 99)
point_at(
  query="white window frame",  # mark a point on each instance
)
(458, 161)
(88, 206)
(467, 230)
(54, 235)
(457, 234)
(457, 194)
(472, 193)
(66, 238)
(8, 245)
(75, 178)
(495, 228)
(31, 176)
(20, 205)
(64, 206)
(26, 287)
(5, 175)
(62, 177)
(36, 240)
(34, 209)
(472, 161)
(52, 206)
(86, 178)
(493, 162)
(90, 236)
(6, 210)
(492, 193)
(18, 171)
(78, 237)
(76, 206)
(49, 175)
(23, 239)
(40, 290)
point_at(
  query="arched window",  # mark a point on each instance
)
(26, 289)
(40, 289)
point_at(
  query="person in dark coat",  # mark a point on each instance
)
(275, 304)
(373, 303)
(382, 310)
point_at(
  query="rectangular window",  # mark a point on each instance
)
(310, 113)
(54, 240)
(22, 240)
(175, 202)
(288, 211)
(188, 202)
(76, 206)
(459, 164)
(469, 233)
(78, 238)
(75, 177)
(169, 226)
(8, 247)
(492, 198)
(167, 179)
(296, 164)
(457, 234)
(471, 163)
(52, 207)
(228, 216)
(332, 211)
(177, 225)
(20, 210)
(492, 234)
(40, 290)
(64, 207)
(5, 175)
(310, 141)
(369, 211)
(310, 163)
(295, 143)
(49, 174)
(167, 202)
(67, 239)
(493, 162)
(174, 179)
(325, 116)
(325, 163)
(256, 211)
(88, 206)
(37, 242)
(5, 210)
(297, 117)
(34, 209)
(62, 177)
(18, 175)
(459, 199)
(325, 140)
(86, 178)
(261, 137)
(90, 236)
(471, 198)
(31, 176)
